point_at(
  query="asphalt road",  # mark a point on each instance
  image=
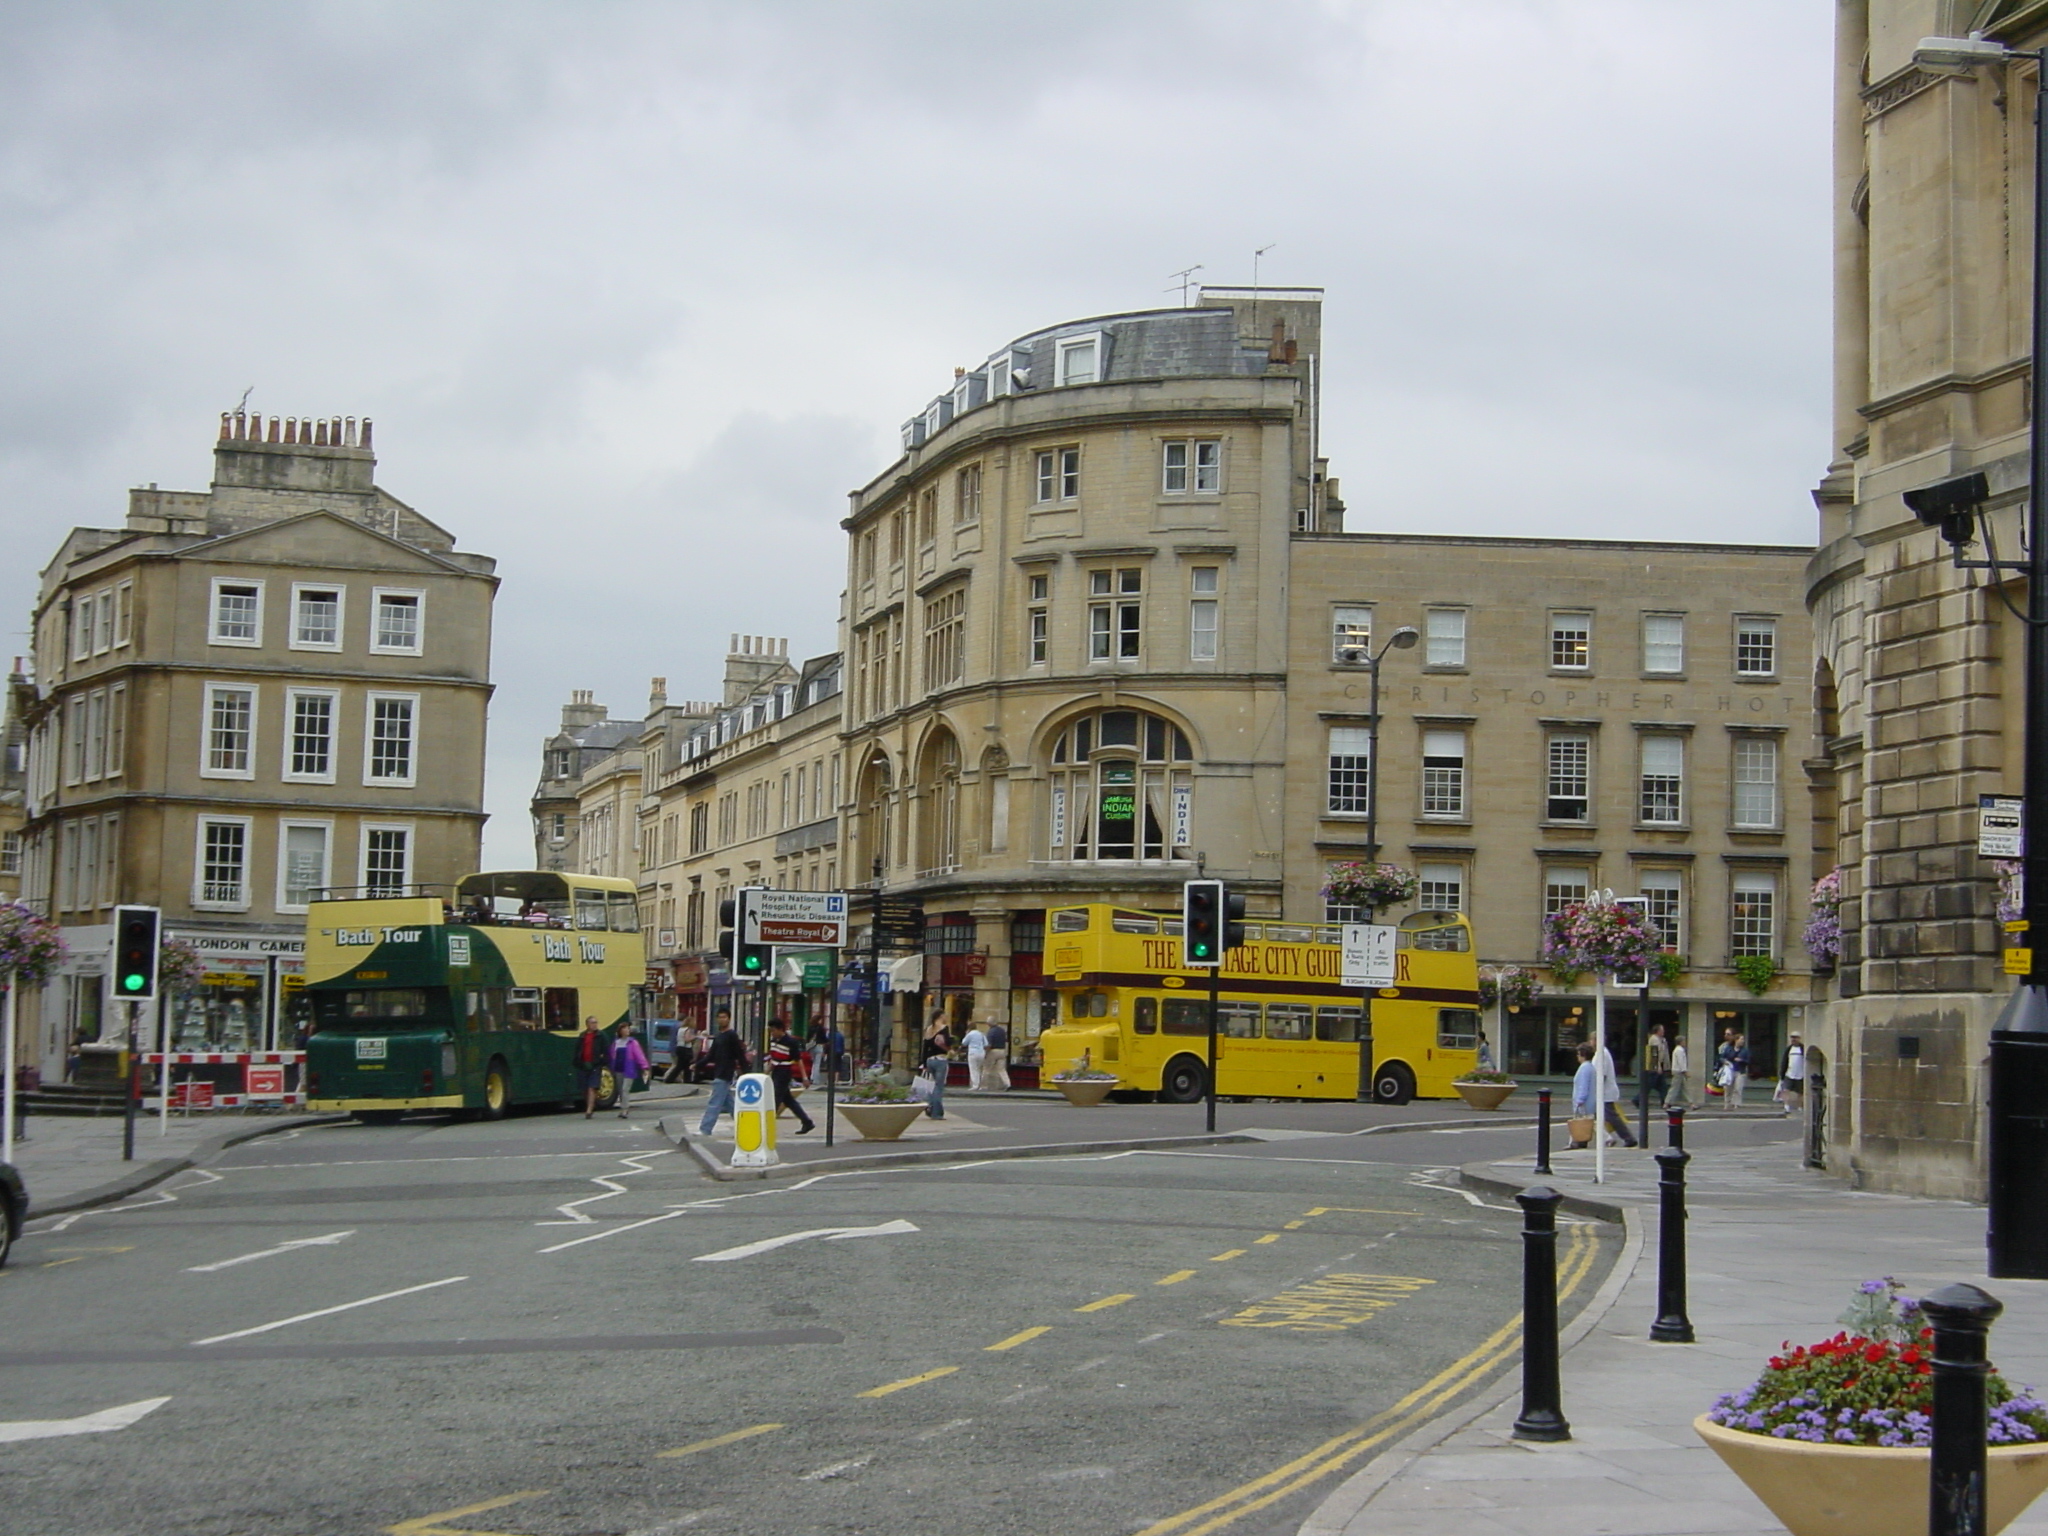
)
(551, 1326)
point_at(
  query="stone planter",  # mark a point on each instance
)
(1485, 1095)
(1086, 1092)
(880, 1122)
(1865, 1490)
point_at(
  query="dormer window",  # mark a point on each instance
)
(999, 376)
(1079, 360)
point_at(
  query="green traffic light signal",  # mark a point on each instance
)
(133, 983)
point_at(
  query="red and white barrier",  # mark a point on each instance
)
(262, 1078)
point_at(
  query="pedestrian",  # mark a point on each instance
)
(783, 1055)
(1792, 1081)
(728, 1059)
(1610, 1100)
(1585, 1092)
(1656, 1067)
(976, 1041)
(592, 1052)
(995, 1066)
(1734, 1068)
(1677, 1095)
(629, 1065)
(938, 1046)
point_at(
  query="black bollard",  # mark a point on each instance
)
(1672, 1325)
(1542, 1415)
(1962, 1316)
(1543, 1130)
(1675, 1119)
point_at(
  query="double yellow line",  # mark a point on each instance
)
(1335, 1454)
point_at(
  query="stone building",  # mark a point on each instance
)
(1933, 171)
(241, 696)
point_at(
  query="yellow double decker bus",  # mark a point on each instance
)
(468, 1000)
(1287, 1027)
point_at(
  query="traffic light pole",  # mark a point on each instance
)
(1215, 971)
(134, 1088)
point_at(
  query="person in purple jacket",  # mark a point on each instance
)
(629, 1066)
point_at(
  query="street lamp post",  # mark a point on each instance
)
(1402, 639)
(2017, 1218)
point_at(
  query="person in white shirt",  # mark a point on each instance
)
(1610, 1100)
(1677, 1096)
(976, 1042)
(1792, 1081)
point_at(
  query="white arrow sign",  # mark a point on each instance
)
(327, 1241)
(90, 1424)
(829, 1234)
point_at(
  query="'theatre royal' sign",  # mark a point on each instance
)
(795, 917)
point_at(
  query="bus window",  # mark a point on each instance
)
(1184, 1016)
(590, 910)
(486, 1009)
(386, 1003)
(522, 1008)
(1287, 1021)
(1145, 1015)
(1089, 1005)
(1435, 930)
(625, 911)
(1240, 1021)
(1133, 922)
(560, 1008)
(1070, 920)
(1457, 1029)
(1340, 1024)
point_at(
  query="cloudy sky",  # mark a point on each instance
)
(636, 292)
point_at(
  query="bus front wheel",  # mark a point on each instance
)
(497, 1090)
(1185, 1081)
(1392, 1083)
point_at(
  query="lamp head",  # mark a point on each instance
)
(1960, 52)
(1404, 638)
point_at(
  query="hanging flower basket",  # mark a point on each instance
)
(1824, 925)
(1515, 985)
(178, 964)
(30, 944)
(1371, 886)
(1599, 936)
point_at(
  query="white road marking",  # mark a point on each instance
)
(944, 1429)
(577, 1242)
(346, 1306)
(392, 1162)
(574, 1217)
(163, 1196)
(328, 1241)
(86, 1424)
(837, 1469)
(828, 1234)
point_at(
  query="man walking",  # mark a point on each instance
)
(591, 1054)
(1610, 1100)
(938, 1047)
(1656, 1068)
(1677, 1096)
(1792, 1081)
(728, 1060)
(1734, 1068)
(995, 1066)
(976, 1041)
(783, 1054)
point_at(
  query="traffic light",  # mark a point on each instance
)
(748, 960)
(1201, 923)
(1233, 919)
(137, 944)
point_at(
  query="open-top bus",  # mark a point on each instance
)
(1287, 1028)
(466, 1001)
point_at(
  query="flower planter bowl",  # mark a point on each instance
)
(1865, 1490)
(1485, 1095)
(880, 1122)
(1087, 1092)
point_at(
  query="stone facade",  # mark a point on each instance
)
(241, 696)
(1916, 658)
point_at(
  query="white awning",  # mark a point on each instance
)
(903, 975)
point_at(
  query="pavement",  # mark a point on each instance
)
(1774, 1252)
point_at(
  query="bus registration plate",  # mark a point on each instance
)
(371, 1048)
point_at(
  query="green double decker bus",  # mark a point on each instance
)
(467, 1000)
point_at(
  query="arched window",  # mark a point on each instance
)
(874, 801)
(939, 783)
(1121, 787)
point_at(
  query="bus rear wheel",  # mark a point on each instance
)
(378, 1116)
(1392, 1083)
(497, 1089)
(1185, 1081)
